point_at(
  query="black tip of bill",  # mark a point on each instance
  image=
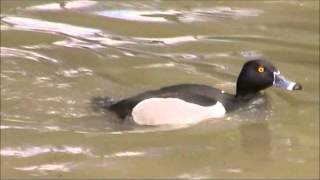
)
(297, 86)
(282, 82)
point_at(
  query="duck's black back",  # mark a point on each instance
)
(193, 93)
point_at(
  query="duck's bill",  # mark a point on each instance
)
(282, 82)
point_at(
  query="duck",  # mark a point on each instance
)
(192, 103)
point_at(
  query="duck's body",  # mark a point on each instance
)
(192, 103)
(201, 95)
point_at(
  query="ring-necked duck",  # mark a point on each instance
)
(192, 103)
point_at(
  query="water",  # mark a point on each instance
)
(56, 57)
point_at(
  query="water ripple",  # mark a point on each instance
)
(132, 15)
(22, 23)
(25, 54)
(34, 128)
(125, 154)
(62, 167)
(81, 37)
(76, 43)
(38, 150)
(76, 72)
(168, 41)
(184, 16)
(64, 5)
(91, 38)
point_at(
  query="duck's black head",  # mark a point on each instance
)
(260, 74)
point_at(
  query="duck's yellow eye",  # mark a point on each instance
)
(260, 69)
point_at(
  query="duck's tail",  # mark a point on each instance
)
(101, 103)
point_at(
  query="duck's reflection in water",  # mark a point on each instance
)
(256, 140)
(255, 136)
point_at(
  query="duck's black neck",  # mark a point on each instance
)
(246, 91)
(247, 95)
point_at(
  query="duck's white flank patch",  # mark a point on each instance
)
(174, 111)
